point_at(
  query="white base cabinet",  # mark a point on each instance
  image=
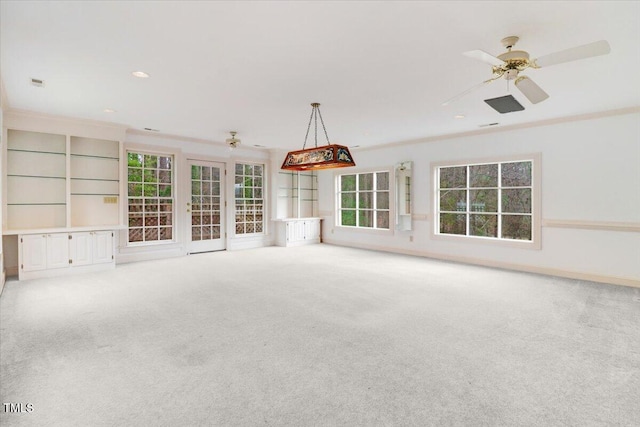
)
(52, 254)
(297, 231)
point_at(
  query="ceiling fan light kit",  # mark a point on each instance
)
(510, 63)
(330, 156)
(233, 141)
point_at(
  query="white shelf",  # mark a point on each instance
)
(56, 182)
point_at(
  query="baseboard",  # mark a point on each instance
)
(2, 280)
(612, 280)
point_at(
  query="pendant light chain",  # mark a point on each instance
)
(315, 112)
(315, 109)
(323, 127)
(308, 127)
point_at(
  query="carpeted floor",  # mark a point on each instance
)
(318, 336)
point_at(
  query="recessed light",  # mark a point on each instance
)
(140, 74)
(459, 116)
(109, 110)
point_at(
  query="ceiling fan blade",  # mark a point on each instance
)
(460, 95)
(579, 52)
(532, 91)
(483, 56)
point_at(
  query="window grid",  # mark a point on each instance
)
(150, 198)
(249, 198)
(470, 212)
(363, 200)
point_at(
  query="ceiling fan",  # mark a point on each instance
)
(512, 62)
(233, 141)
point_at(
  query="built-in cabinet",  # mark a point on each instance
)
(297, 231)
(297, 209)
(48, 254)
(62, 200)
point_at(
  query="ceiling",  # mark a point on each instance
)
(381, 70)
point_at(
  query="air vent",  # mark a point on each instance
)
(505, 104)
(151, 130)
(37, 82)
(488, 124)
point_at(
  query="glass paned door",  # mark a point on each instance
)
(206, 207)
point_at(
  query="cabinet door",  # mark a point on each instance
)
(81, 249)
(102, 247)
(34, 252)
(57, 250)
(312, 229)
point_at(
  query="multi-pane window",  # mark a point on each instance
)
(493, 200)
(206, 202)
(150, 197)
(363, 200)
(249, 196)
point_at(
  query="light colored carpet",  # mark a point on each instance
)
(319, 336)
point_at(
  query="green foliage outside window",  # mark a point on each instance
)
(364, 200)
(486, 200)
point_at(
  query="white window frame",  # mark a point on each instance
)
(174, 214)
(534, 243)
(391, 191)
(264, 197)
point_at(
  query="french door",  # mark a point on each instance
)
(206, 209)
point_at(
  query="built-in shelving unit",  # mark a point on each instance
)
(62, 201)
(297, 194)
(60, 181)
(95, 183)
(36, 180)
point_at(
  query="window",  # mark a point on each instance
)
(249, 195)
(150, 197)
(489, 200)
(363, 200)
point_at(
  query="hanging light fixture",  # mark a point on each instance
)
(233, 141)
(325, 157)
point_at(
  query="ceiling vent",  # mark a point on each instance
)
(151, 130)
(505, 104)
(37, 82)
(488, 124)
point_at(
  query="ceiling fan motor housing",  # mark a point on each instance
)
(514, 61)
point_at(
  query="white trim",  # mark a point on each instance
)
(612, 280)
(633, 227)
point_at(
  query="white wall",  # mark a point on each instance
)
(590, 180)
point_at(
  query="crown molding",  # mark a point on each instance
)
(12, 112)
(132, 131)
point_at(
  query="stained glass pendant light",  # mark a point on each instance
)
(325, 157)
